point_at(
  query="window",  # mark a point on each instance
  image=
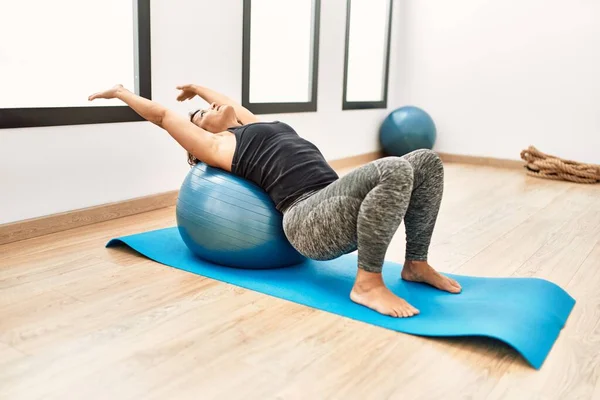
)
(366, 66)
(280, 55)
(54, 54)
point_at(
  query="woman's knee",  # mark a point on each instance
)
(424, 159)
(396, 169)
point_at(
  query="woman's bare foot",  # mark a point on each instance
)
(421, 271)
(370, 291)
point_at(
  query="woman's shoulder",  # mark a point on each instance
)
(263, 123)
(266, 127)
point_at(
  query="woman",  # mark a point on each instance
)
(324, 216)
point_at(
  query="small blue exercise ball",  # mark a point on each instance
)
(230, 221)
(407, 129)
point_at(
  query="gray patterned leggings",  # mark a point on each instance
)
(363, 209)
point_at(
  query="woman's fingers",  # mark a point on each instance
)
(101, 95)
(94, 96)
(107, 94)
(185, 95)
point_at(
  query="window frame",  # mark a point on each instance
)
(60, 116)
(283, 107)
(364, 105)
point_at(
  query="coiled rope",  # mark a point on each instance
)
(550, 167)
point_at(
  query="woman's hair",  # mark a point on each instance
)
(192, 160)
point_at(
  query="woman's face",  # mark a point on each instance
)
(217, 118)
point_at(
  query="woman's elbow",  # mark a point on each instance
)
(158, 116)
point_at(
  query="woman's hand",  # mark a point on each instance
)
(187, 92)
(107, 94)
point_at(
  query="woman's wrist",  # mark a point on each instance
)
(198, 89)
(120, 91)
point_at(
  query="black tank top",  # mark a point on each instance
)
(276, 158)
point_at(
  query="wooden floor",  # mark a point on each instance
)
(78, 321)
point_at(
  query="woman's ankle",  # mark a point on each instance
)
(367, 280)
(415, 263)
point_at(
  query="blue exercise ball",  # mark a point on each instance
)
(407, 129)
(230, 221)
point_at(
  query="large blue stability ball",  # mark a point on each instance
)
(407, 129)
(228, 220)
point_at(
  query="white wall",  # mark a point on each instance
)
(499, 75)
(55, 169)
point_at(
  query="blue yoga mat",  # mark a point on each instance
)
(526, 313)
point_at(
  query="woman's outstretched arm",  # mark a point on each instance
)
(197, 141)
(211, 96)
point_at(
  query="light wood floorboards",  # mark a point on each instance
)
(78, 321)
